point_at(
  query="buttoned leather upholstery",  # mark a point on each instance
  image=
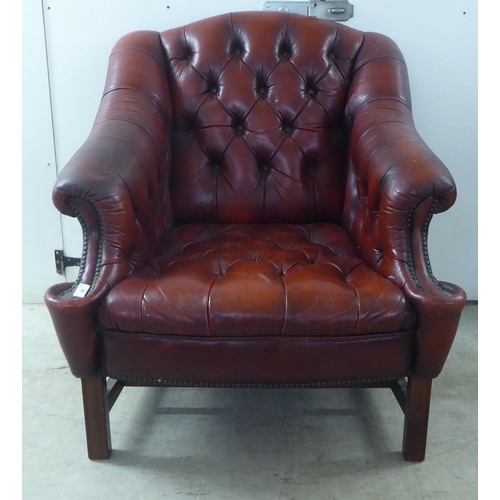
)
(257, 280)
(255, 203)
(258, 131)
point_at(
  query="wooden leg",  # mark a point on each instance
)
(96, 410)
(418, 400)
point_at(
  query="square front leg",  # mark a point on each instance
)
(96, 410)
(417, 408)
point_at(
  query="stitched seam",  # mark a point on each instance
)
(380, 57)
(359, 307)
(133, 123)
(131, 89)
(383, 98)
(208, 306)
(285, 297)
(135, 49)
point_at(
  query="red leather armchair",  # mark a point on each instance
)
(255, 203)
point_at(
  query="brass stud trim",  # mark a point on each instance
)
(316, 385)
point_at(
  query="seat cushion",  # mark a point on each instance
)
(244, 280)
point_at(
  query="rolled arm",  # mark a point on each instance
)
(117, 186)
(395, 185)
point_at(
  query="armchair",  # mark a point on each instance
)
(255, 202)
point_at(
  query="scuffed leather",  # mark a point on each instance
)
(278, 119)
(257, 280)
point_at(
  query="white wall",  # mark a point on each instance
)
(438, 40)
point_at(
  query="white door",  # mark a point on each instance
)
(41, 222)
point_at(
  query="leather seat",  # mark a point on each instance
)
(255, 203)
(257, 280)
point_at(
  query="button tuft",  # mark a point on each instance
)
(238, 127)
(285, 49)
(287, 127)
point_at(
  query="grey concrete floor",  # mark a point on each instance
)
(216, 444)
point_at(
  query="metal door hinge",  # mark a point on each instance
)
(62, 262)
(332, 10)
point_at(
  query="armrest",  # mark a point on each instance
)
(400, 184)
(117, 185)
(395, 185)
(117, 182)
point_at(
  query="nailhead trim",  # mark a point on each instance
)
(177, 383)
(425, 248)
(411, 264)
(85, 231)
(425, 230)
(83, 259)
(100, 244)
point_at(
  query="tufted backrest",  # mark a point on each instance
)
(258, 132)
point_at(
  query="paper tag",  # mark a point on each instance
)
(81, 290)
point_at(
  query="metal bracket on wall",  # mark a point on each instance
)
(332, 10)
(62, 262)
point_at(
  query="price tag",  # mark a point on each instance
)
(81, 290)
